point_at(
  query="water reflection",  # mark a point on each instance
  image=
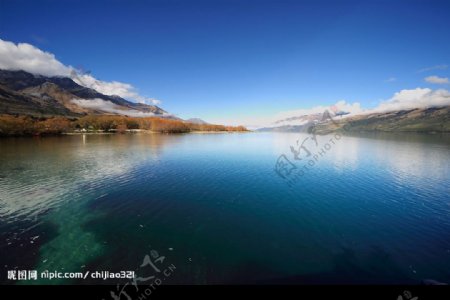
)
(39, 173)
(49, 181)
(101, 201)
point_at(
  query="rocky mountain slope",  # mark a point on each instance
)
(25, 93)
(432, 119)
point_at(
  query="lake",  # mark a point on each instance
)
(211, 208)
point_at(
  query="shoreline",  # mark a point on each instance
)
(151, 132)
(133, 131)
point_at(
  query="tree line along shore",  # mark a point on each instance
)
(11, 125)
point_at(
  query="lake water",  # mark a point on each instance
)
(210, 208)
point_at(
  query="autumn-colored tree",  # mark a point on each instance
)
(56, 125)
(17, 125)
(121, 128)
(25, 125)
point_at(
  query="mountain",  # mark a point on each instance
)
(295, 124)
(196, 121)
(13, 102)
(25, 93)
(433, 119)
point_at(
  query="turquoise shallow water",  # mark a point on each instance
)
(372, 209)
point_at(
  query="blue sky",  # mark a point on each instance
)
(231, 60)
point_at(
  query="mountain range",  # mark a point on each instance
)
(430, 119)
(24, 93)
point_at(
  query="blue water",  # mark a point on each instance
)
(372, 209)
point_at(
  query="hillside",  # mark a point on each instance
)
(434, 119)
(35, 95)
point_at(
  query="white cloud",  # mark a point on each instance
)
(254, 122)
(391, 79)
(26, 57)
(342, 105)
(437, 67)
(154, 101)
(31, 59)
(108, 106)
(437, 80)
(121, 89)
(416, 98)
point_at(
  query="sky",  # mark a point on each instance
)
(241, 62)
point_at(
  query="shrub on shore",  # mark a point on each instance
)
(24, 125)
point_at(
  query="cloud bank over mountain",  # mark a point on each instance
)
(108, 106)
(26, 57)
(403, 100)
(415, 98)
